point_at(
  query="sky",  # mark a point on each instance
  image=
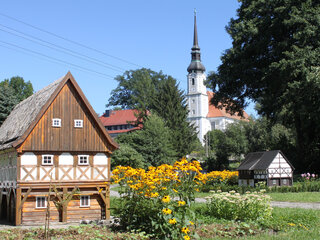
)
(98, 40)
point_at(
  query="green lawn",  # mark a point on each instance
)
(296, 197)
(286, 223)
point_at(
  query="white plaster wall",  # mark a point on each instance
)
(65, 159)
(85, 176)
(100, 159)
(279, 162)
(28, 158)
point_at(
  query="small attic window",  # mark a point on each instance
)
(192, 80)
(78, 123)
(56, 122)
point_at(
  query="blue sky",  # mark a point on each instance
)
(152, 34)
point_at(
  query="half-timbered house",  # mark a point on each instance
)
(54, 150)
(271, 167)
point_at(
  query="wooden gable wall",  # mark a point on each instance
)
(67, 106)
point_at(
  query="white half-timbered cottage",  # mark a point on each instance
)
(54, 138)
(271, 167)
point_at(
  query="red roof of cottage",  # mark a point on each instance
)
(119, 117)
(216, 112)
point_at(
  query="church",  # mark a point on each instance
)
(204, 115)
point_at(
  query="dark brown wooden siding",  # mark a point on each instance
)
(67, 106)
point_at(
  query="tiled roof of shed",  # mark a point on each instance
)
(260, 160)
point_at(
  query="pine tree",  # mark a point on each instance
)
(170, 104)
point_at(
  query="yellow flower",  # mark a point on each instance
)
(181, 203)
(172, 221)
(153, 195)
(166, 199)
(186, 237)
(192, 223)
(167, 211)
(185, 230)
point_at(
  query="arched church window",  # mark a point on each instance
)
(192, 81)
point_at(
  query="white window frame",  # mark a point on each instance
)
(78, 123)
(38, 202)
(79, 158)
(82, 201)
(56, 122)
(43, 158)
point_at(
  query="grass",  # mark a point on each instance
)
(286, 223)
(296, 197)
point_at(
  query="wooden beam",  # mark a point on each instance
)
(108, 201)
(64, 205)
(18, 207)
(25, 196)
(102, 196)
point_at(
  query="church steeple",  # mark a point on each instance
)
(195, 64)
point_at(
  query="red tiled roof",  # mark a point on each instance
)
(119, 117)
(123, 130)
(216, 112)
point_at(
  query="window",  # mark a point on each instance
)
(56, 122)
(78, 123)
(41, 202)
(213, 125)
(284, 181)
(192, 81)
(109, 128)
(47, 159)
(83, 159)
(193, 112)
(84, 201)
(274, 182)
(193, 101)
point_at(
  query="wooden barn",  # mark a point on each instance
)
(53, 144)
(271, 167)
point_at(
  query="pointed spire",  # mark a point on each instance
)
(195, 32)
(195, 64)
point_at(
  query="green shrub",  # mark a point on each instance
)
(233, 206)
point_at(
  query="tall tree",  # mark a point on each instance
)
(274, 60)
(149, 91)
(170, 104)
(22, 89)
(153, 142)
(7, 101)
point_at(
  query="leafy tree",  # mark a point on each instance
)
(21, 88)
(136, 90)
(12, 91)
(7, 101)
(274, 60)
(126, 156)
(170, 104)
(152, 142)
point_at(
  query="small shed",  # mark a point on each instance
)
(271, 167)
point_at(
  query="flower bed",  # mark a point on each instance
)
(233, 206)
(158, 201)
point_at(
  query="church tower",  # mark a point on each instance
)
(197, 92)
